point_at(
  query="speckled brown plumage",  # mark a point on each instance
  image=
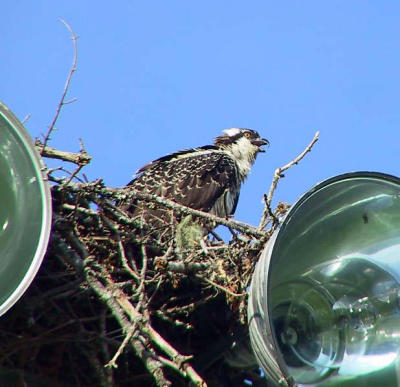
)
(207, 178)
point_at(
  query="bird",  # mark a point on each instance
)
(206, 178)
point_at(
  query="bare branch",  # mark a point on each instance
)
(278, 175)
(132, 329)
(62, 101)
(125, 263)
(27, 117)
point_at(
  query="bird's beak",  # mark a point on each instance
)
(260, 142)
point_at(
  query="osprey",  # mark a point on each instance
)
(207, 178)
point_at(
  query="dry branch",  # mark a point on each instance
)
(278, 174)
(81, 158)
(62, 101)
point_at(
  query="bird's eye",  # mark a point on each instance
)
(247, 134)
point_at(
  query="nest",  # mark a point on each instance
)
(113, 306)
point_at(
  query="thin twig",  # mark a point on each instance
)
(132, 329)
(224, 289)
(73, 174)
(125, 263)
(27, 117)
(128, 336)
(278, 175)
(66, 87)
(186, 267)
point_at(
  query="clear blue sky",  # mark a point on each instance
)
(154, 77)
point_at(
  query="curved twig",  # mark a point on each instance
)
(278, 175)
(62, 101)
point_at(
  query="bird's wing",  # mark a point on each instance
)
(196, 179)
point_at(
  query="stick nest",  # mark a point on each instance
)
(112, 306)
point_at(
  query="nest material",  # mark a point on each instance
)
(111, 306)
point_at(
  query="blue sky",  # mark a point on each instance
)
(155, 77)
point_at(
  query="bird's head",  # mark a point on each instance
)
(243, 144)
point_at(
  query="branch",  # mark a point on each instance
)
(278, 175)
(182, 267)
(81, 158)
(240, 226)
(27, 117)
(62, 101)
(132, 329)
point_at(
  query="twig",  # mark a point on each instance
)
(128, 336)
(186, 267)
(124, 261)
(83, 148)
(83, 210)
(73, 174)
(212, 283)
(27, 117)
(278, 175)
(182, 361)
(173, 321)
(104, 346)
(82, 163)
(280, 210)
(62, 101)
(132, 329)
